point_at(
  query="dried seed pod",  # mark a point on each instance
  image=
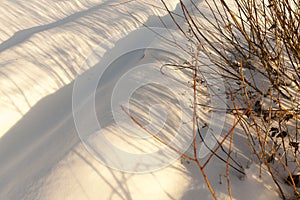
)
(274, 131)
(283, 134)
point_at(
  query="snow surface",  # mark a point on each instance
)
(43, 45)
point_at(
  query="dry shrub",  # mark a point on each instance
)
(255, 45)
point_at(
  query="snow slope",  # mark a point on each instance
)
(43, 45)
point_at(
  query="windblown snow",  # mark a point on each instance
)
(43, 47)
